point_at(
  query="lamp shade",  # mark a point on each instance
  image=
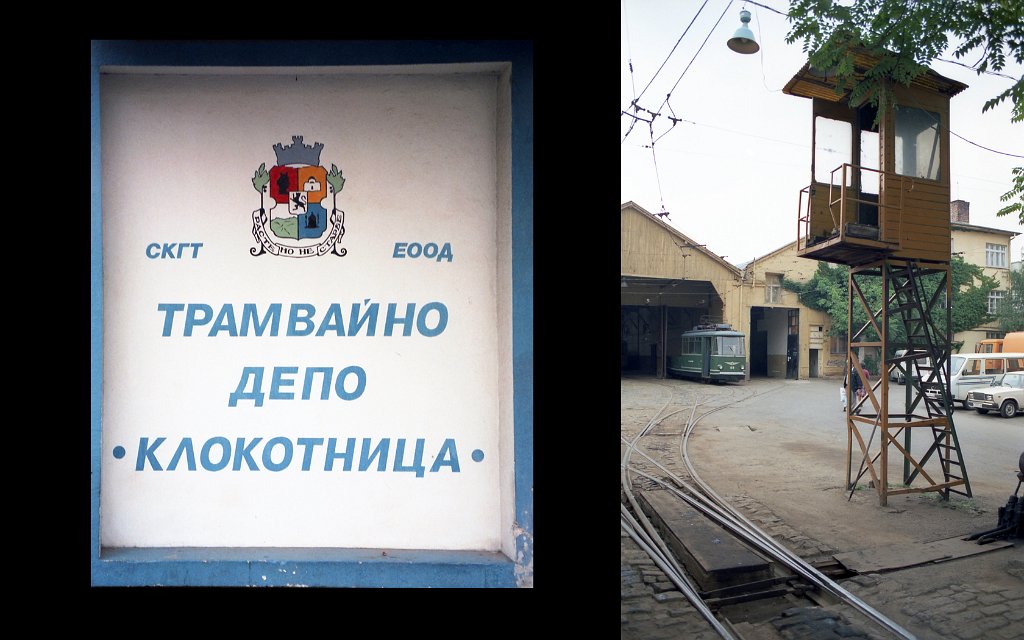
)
(743, 40)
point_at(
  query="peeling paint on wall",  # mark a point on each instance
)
(524, 557)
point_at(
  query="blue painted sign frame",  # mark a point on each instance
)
(333, 567)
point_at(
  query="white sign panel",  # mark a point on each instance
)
(299, 311)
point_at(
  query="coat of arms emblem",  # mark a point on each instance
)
(298, 215)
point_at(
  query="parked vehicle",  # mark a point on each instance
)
(711, 353)
(898, 372)
(1006, 396)
(975, 371)
(1013, 342)
(989, 345)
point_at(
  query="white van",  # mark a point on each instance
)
(974, 370)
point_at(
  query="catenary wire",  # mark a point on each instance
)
(717, 22)
(967, 66)
(938, 125)
(685, 31)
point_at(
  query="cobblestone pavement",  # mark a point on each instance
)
(960, 610)
(651, 607)
(973, 609)
(981, 597)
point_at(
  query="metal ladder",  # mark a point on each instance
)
(923, 343)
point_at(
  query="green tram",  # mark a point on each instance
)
(711, 353)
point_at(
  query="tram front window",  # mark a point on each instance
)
(730, 346)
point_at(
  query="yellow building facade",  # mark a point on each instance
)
(670, 282)
(817, 354)
(990, 249)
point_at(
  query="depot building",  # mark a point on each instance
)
(671, 283)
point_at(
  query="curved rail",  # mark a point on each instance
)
(703, 498)
(679, 578)
(645, 535)
(768, 544)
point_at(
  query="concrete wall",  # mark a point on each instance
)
(775, 324)
(786, 262)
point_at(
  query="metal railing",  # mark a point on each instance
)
(843, 209)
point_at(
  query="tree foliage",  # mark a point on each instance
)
(825, 291)
(970, 295)
(1011, 311)
(828, 291)
(1015, 196)
(907, 35)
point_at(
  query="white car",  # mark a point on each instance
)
(1005, 396)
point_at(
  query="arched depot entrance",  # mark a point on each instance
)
(653, 314)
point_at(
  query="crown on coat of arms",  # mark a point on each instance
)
(298, 153)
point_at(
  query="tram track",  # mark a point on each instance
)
(805, 582)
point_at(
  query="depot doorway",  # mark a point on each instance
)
(775, 342)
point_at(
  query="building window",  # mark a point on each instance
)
(817, 334)
(994, 335)
(773, 288)
(995, 255)
(837, 345)
(995, 298)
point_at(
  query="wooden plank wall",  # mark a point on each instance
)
(821, 220)
(648, 249)
(925, 232)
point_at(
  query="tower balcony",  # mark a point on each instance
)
(842, 224)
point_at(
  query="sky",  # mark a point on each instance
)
(729, 173)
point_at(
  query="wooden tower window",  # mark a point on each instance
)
(832, 148)
(917, 143)
(867, 172)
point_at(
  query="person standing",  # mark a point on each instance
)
(866, 382)
(856, 388)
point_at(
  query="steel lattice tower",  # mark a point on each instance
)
(913, 294)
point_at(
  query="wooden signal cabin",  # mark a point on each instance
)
(876, 191)
(878, 202)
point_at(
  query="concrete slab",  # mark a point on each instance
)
(899, 556)
(712, 556)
